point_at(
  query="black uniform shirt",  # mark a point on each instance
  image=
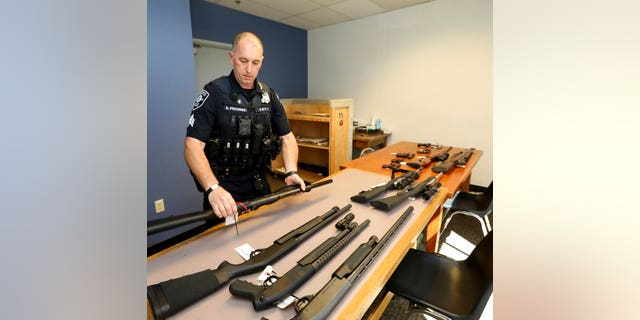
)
(209, 105)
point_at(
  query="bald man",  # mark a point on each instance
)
(237, 126)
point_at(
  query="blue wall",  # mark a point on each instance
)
(170, 92)
(285, 47)
(171, 88)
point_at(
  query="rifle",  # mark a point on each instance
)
(324, 301)
(407, 155)
(462, 161)
(419, 189)
(160, 225)
(264, 296)
(414, 165)
(443, 155)
(447, 165)
(168, 297)
(395, 183)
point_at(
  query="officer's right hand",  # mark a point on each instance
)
(222, 203)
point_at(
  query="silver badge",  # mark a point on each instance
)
(265, 97)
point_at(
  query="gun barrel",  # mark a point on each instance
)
(284, 192)
(160, 225)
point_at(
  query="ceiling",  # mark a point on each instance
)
(311, 14)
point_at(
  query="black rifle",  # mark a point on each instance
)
(395, 183)
(168, 297)
(324, 301)
(419, 189)
(264, 296)
(160, 225)
(447, 165)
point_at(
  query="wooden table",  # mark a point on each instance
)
(457, 179)
(362, 140)
(261, 227)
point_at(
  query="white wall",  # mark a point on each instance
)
(426, 71)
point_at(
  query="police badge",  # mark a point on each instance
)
(265, 97)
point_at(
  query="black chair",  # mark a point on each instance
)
(473, 204)
(457, 290)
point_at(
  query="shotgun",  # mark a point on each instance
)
(168, 297)
(395, 183)
(319, 306)
(160, 225)
(263, 296)
(417, 190)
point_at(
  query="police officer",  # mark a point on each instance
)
(237, 126)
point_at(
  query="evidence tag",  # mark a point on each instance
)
(245, 251)
(230, 220)
(264, 275)
(286, 302)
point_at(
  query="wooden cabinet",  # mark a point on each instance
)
(321, 127)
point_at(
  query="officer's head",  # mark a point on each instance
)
(246, 58)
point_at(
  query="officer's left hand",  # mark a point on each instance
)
(295, 179)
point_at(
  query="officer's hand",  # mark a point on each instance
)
(295, 179)
(222, 203)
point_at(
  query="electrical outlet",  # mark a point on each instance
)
(159, 205)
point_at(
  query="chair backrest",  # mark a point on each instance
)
(482, 255)
(486, 198)
(365, 151)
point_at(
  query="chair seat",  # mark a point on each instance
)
(457, 289)
(471, 202)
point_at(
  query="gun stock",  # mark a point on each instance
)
(366, 195)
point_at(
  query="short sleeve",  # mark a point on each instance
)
(202, 119)
(278, 116)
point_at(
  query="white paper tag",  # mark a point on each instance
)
(244, 251)
(286, 302)
(230, 220)
(266, 273)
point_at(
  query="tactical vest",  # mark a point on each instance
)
(243, 141)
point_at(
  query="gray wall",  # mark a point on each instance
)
(424, 70)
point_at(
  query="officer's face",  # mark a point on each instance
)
(246, 61)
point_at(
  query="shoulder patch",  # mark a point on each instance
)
(200, 99)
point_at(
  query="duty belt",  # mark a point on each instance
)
(233, 171)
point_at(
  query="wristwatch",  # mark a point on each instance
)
(290, 173)
(213, 187)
